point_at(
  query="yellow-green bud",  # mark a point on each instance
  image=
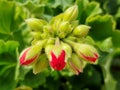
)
(35, 49)
(64, 29)
(74, 64)
(85, 51)
(36, 24)
(67, 49)
(36, 35)
(64, 26)
(71, 13)
(41, 64)
(81, 30)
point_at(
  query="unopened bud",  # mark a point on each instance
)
(74, 64)
(67, 49)
(35, 49)
(71, 13)
(64, 26)
(27, 61)
(85, 51)
(37, 35)
(64, 29)
(36, 24)
(41, 64)
(81, 30)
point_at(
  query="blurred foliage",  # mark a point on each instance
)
(102, 15)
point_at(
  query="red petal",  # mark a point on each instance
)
(92, 59)
(62, 56)
(58, 63)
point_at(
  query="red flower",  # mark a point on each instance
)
(23, 60)
(58, 63)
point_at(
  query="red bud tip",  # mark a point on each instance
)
(58, 63)
(92, 59)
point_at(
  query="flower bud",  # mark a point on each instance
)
(67, 49)
(56, 56)
(36, 24)
(85, 51)
(35, 49)
(58, 63)
(71, 13)
(29, 55)
(41, 64)
(64, 26)
(64, 29)
(55, 23)
(81, 30)
(23, 60)
(74, 64)
(37, 35)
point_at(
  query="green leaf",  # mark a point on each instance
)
(7, 81)
(35, 8)
(34, 80)
(6, 16)
(101, 26)
(110, 82)
(116, 38)
(66, 3)
(87, 9)
(105, 45)
(111, 6)
(9, 46)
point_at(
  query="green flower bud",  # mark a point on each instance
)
(51, 41)
(54, 19)
(64, 29)
(36, 24)
(85, 51)
(81, 30)
(36, 35)
(74, 64)
(55, 22)
(35, 49)
(71, 13)
(48, 49)
(67, 49)
(47, 32)
(64, 26)
(55, 25)
(41, 64)
(74, 24)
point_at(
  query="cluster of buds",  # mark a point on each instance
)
(59, 44)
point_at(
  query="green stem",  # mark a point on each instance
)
(110, 83)
(17, 66)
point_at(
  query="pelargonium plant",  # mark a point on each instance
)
(60, 43)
